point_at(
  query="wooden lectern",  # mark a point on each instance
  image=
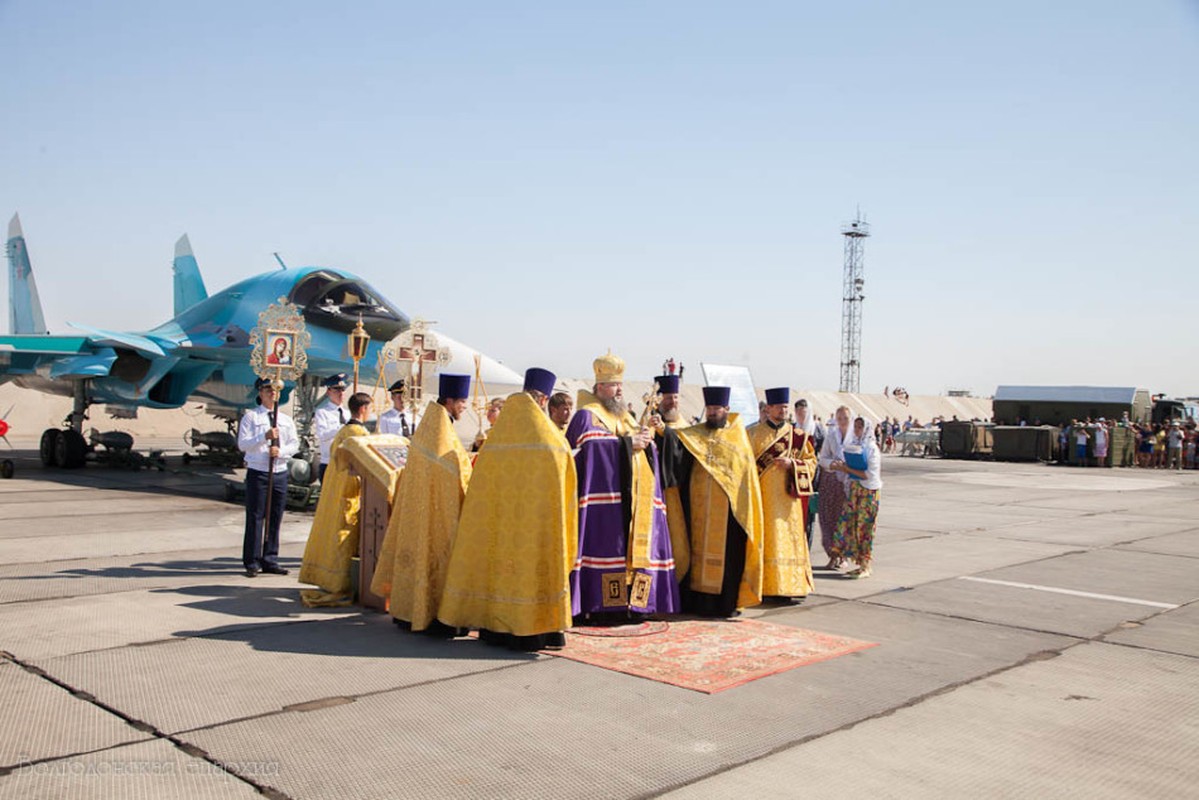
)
(377, 462)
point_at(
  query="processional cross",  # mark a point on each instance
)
(418, 347)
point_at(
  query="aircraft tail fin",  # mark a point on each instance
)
(24, 306)
(189, 284)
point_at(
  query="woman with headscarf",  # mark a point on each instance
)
(853, 539)
(833, 485)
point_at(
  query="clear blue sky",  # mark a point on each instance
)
(667, 178)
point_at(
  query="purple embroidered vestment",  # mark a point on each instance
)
(600, 581)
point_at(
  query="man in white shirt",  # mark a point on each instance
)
(267, 446)
(1174, 440)
(329, 416)
(1081, 437)
(397, 420)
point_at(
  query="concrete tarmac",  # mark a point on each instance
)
(1037, 630)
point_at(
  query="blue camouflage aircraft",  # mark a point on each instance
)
(203, 353)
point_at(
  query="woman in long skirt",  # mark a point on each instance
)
(834, 485)
(853, 539)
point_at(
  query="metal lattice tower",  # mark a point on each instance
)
(855, 234)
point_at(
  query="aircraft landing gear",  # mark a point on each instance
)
(66, 449)
(48, 447)
(71, 449)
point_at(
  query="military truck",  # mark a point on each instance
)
(1166, 410)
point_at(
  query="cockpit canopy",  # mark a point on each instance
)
(332, 301)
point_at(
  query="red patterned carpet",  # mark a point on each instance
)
(704, 655)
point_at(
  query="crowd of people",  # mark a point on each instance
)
(574, 511)
(1159, 445)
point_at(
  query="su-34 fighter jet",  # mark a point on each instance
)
(203, 353)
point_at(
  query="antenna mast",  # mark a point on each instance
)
(855, 234)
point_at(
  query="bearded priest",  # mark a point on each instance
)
(713, 466)
(625, 563)
(786, 463)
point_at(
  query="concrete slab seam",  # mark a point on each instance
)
(1103, 636)
(884, 592)
(1092, 549)
(776, 611)
(1099, 638)
(946, 615)
(229, 629)
(323, 702)
(223, 551)
(1147, 648)
(1042, 655)
(73, 596)
(136, 724)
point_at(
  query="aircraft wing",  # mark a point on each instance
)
(130, 341)
(61, 356)
(121, 368)
(43, 344)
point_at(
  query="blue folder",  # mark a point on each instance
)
(855, 460)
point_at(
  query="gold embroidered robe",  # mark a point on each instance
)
(424, 520)
(786, 564)
(333, 539)
(518, 534)
(723, 478)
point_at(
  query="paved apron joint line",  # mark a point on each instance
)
(136, 724)
(1032, 658)
(1043, 655)
(341, 700)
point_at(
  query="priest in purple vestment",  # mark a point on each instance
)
(625, 565)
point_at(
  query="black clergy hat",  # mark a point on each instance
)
(452, 386)
(541, 380)
(668, 384)
(779, 396)
(396, 387)
(717, 395)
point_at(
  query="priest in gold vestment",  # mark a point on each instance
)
(509, 570)
(424, 517)
(786, 463)
(713, 466)
(333, 539)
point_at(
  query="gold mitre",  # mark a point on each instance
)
(609, 369)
